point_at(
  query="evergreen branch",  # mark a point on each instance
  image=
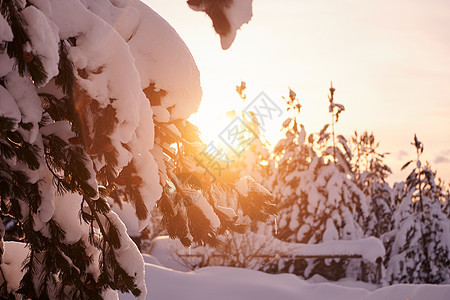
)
(25, 61)
(6, 124)
(65, 78)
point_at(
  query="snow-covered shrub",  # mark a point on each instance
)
(291, 154)
(446, 198)
(249, 250)
(370, 173)
(93, 93)
(318, 201)
(419, 245)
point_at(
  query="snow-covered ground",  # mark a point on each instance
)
(168, 279)
(224, 283)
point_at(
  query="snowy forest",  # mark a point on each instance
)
(109, 191)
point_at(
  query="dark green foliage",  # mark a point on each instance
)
(65, 78)
(16, 146)
(228, 224)
(33, 65)
(6, 123)
(153, 95)
(58, 109)
(59, 269)
(200, 227)
(257, 206)
(126, 188)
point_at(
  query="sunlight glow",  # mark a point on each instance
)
(221, 105)
(389, 72)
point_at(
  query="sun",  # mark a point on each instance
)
(218, 108)
(222, 107)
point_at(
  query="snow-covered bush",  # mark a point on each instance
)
(291, 155)
(446, 205)
(419, 245)
(93, 93)
(370, 173)
(258, 252)
(250, 250)
(318, 201)
(446, 197)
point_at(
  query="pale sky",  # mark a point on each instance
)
(389, 62)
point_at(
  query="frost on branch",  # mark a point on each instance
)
(227, 16)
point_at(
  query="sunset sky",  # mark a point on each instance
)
(389, 62)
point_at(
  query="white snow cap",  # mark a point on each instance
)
(247, 184)
(239, 13)
(164, 59)
(15, 254)
(44, 41)
(9, 108)
(369, 248)
(5, 30)
(29, 103)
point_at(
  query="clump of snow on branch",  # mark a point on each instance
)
(228, 16)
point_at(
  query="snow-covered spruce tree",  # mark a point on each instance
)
(419, 245)
(370, 173)
(291, 155)
(445, 200)
(446, 203)
(317, 199)
(79, 117)
(75, 242)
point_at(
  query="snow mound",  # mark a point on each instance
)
(13, 257)
(164, 251)
(223, 283)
